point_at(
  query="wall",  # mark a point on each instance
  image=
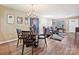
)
(44, 22)
(1, 17)
(66, 20)
(8, 31)
(57, 23)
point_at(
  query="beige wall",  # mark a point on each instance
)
(1, 16)
(8, 31)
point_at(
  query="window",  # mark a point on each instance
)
(73, 23)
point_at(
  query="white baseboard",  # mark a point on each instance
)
(8, 41)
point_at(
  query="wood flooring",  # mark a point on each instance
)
(54, 47)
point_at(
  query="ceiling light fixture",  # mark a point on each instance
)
(32, 11)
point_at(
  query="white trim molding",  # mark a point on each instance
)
(8, 41)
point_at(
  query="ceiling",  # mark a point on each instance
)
(49, 10)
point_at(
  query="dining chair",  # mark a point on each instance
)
(28, 40)
(43, 36)
(19, 34)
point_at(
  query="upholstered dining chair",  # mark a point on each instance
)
(43, 36)
(19, 34)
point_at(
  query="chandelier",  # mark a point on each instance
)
(32, 11)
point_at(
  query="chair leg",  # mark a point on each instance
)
(32, 47)
(32, 50)
(22, 49)
(20, 40)
(45, 42)
(38, 41)
(17, 42)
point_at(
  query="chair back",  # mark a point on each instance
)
(19, 33)
(27, 37)
(44, 30)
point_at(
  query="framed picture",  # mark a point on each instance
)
(26, 20)
(19, 20)
(10, 19)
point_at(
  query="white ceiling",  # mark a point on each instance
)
(49, 10)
